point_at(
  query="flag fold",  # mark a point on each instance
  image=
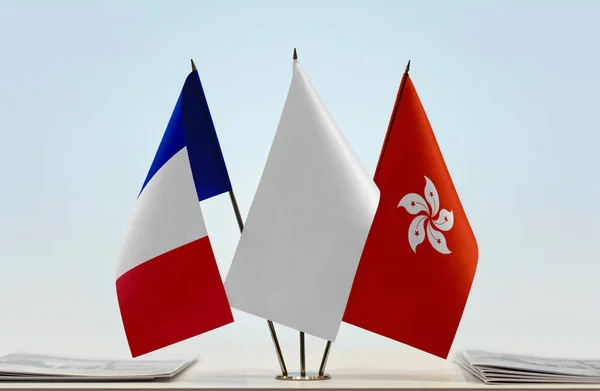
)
(308, 222)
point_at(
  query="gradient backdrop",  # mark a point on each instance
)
(511, 89)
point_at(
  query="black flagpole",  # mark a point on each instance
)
(238, 217)
(302, 347)
(403, 83)
(389, 130)
(240, 222)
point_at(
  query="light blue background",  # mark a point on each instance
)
(511, 89)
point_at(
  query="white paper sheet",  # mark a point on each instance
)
(24, 366)
(498, 368)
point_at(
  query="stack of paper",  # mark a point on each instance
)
(28, 367)
(502, 368)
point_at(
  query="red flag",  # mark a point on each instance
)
(420, 257)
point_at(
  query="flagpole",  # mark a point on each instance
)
(302, 355)
(303, 375)
(324, 359)
(302, 347)
(387, 136)
(395, 110)
(240, 222)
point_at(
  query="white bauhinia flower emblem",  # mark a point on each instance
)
(427, 222)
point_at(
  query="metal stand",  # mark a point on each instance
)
(307, 376)
(303, 375)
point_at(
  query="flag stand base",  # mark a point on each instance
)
(307, 376)
(303, 375)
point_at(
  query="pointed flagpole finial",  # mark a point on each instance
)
(193, 65)
(407, 67)
(295, 57)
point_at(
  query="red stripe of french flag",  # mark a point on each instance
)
(168, 285)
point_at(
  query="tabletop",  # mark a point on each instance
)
(372, 369)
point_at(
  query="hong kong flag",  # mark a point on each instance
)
(419, 261)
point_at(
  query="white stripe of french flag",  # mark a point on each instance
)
(168, 284)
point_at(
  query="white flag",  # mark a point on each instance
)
(307, 225)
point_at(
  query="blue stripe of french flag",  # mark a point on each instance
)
(168, 284)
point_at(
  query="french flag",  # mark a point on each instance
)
(168, 284)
